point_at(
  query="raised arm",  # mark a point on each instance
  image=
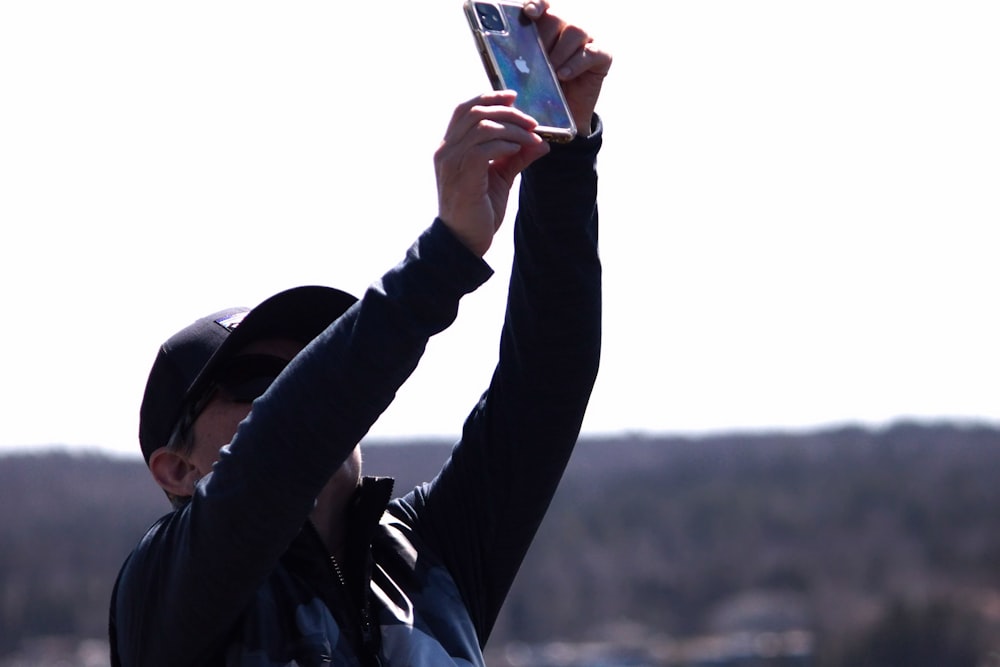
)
(193, 574)
(482, 511)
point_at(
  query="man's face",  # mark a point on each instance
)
(217, 423)
(253, 369)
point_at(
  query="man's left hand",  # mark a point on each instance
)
(580, 65)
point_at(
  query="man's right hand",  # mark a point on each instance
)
(487, 144)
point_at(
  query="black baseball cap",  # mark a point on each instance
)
(185, 364)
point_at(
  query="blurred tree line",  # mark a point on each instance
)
(883, 544)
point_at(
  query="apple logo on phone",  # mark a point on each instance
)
(522, 65)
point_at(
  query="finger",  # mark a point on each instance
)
(494, 98)
(463, 171)
(479, 128)
(535, 8)
(493, 107)
(570, 41)
(549, 26)
(488, 140)
(589, 59)
(510, 166)
(502, 97)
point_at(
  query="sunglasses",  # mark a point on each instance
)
(245, 377)
(241, 379)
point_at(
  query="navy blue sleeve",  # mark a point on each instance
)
(185, 585)
(482, 511)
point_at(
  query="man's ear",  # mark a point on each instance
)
(174, 472)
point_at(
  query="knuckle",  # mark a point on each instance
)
(577, 34)
(486, 126)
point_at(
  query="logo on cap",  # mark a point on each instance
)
(230, 322)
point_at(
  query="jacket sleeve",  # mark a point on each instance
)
(185, 585)
(482, 511)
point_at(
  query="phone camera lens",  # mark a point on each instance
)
(489, 17)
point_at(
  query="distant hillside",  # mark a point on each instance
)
(871, 542)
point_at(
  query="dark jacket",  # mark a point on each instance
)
(239, 577)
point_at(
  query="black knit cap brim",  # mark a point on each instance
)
(186, 364)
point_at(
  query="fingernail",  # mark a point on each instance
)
(531, 9)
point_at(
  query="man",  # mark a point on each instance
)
(278, 552)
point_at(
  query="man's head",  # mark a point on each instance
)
(232, 354)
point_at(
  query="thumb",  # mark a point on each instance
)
(509, 167)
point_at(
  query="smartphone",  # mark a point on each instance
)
(515, 59)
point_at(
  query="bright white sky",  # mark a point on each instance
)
(799, 201)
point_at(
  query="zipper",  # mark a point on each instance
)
(368, 637)
(338, 572)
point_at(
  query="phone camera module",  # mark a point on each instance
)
(489, 17)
